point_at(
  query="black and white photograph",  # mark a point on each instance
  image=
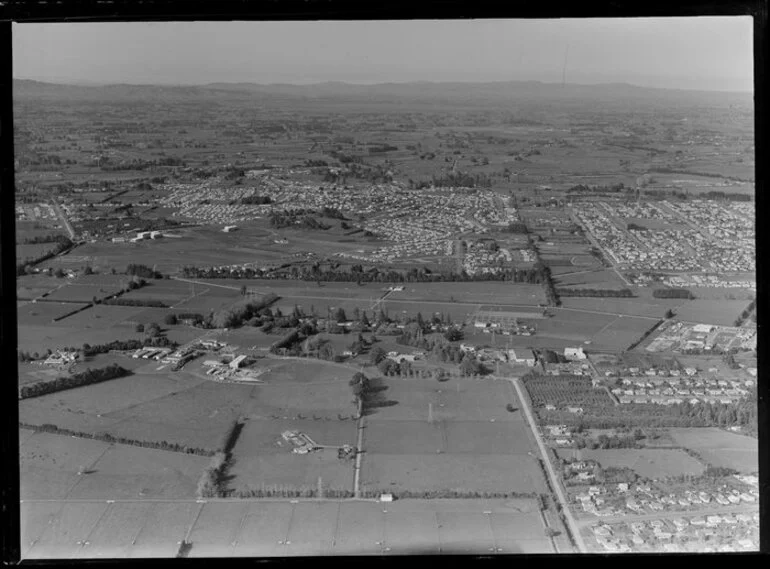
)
(385, 287)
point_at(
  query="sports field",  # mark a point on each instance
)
(135, 529)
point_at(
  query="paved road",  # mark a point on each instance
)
(555, 483)
(63, 218)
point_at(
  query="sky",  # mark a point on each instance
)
(705, 53)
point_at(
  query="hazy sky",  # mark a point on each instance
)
(696, 53)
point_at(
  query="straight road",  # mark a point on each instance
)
(555, 482)
(63, 218)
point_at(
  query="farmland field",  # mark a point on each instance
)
(622, 333)
(654, 308)
(137, 529)
(720, 448)
(711, 311)
(100, 316)
(466, 472)
(648, 463)
(74, 292)
(43, 313)
(577, 390)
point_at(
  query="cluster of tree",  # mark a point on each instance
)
(316, 163)
(106, 437)
(672, 293)
(535, 275)
(332, 212)
(209, 482)
(135, 302)
(615, 475)
(549, 357)
(86, 377)
(297, 219)
(717, 195)
(583, 188)
(647, 415)
(457, 180)
(106, 165)
(517, 227)
(346, 158)
(610, 441)
(595, 292)
(668, 170)
(142, 271)
(236, 315)
(636, 227)
(47, 239)
(380, 148)
(256, 200)
(149, 341)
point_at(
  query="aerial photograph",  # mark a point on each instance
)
(420, 287)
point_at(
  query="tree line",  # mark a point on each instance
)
(595, 292)
(86, 377)
(672, 293)
(108, 438)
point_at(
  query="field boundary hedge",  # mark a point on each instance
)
(107, 438)
(87, 377)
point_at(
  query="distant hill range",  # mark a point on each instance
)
(389, 93)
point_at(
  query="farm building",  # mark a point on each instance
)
(230, 228)
(238, 361)
(522, 356)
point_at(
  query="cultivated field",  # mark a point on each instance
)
(720, 448)
(622, 333)
(43, 313)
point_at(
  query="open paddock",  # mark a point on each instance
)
(648, 463)
(100, 317)
(119, 394)
(622, 333)
(74, 292)
(125, 471)
(464, 472)
(43, 313)
(32, 286)
(33, 250)
(40, 338)
(603, 278)
(167, 524)
(572, 325)
(459, 399)
(117, 528)
(248, 337)
(304, 371)
(720, 448)
(292, 399)
(625, 306)
(262, 437)
(291, 471)
(64, 531)
(49, 464)
(719, 312)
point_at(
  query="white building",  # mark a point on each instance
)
(574, 353)
(237, 362)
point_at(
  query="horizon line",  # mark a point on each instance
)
(89, 83)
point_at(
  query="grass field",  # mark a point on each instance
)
(468, 472)
(654, 308)
(648, 463)
(720, 448)
(75, 292)
(43, 313)
(38, 338)
(620, 334)
(262, 457)
(711, 311)
(100, 316)
(279, 529)
(125, 471)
